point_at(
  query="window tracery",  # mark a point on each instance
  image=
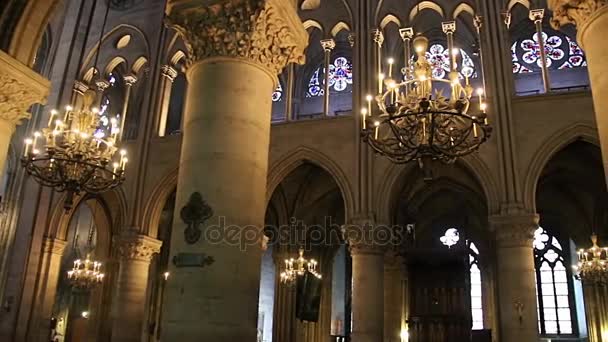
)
(561, 53)
(277, 95)
(439, 57)
(552, 286)
(450, 238)
(340, 77)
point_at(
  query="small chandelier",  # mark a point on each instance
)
(85, 274)
(592, 267)
(298, 267)
(78, 153)
(425, 117)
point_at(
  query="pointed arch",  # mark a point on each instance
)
(312, 24)
(139, 64)
(339, 27)
(512, 4)
(463, 8)
(426, 5)
(115, 62)
(390, 18)
(177, 57)
(158, 197)
(552, 145)
(284, 166)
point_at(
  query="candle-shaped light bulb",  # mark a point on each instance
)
(28, 143)
(364, 115)
(68, 108)
(390, 67)
(95, 110)
(377, 125)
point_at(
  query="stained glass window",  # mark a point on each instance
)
(107, 123)
(561, 53)
(552, 286)
(340, 77)
(277, 95)
(439, 57)
(112, 80)
(450, 238)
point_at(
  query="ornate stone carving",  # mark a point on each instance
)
(169, 72)
(137, 247)
(514, 230)
(267, 32)
(20, 87)
(575, 12)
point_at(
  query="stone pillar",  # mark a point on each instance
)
(40, 328)
(20, 88)
(596, 310)
(328, 45)
(393, 296)
(591, 20)
(135, 253)
(168, 76)
(367, 303)
(516, 277)
(237, 47)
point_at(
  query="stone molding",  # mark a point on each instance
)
(20, 87)
(169, 72)
(266, 32)
(137, 247)
(514, 230)
(53, 246)
(576, 12)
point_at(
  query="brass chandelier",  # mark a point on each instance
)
(77, 151)
(85, 274)
(425, 117)
(592, 266)
(295, 268)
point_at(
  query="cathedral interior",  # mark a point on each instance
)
(303, 170)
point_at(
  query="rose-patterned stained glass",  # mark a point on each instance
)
(561, 53)
(277, 94)
(340, 77)
(439, 57)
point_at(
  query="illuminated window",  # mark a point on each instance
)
(340, 77)
(451, 238)
(552, 287)
(277, 95)
(561, 53)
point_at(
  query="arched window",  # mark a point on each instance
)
(561, 53)
(439, 57)
(552, 285)
(451, 238)
(340, 78)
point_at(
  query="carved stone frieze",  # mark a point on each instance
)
(20, 87)
(514, 230)
(137, 247)
(575, 12)
(266, 32)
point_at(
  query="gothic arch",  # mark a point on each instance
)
(154, 207)
(387, 192)
(547, 150)
(430, 5)
(283, 167)
(390, 18)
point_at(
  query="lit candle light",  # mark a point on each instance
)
(380, 80)
(369, 98)
(377, 124)
(51, 117)
(36, 136)
(364, 115)
(28, 142)
(390, 67)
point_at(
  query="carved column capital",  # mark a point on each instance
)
(130, 80)
(577, 12)
(169, 72)
(514, 230)
(137, 247)
(265, 32)
(328, 44)
(20, 87)
(53, 246)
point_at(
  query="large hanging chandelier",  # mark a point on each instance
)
(77, 150)
(592, 266)
(77, 153)
(295, 268)
(424, 116)
(85, 274)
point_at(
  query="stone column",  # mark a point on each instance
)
(135, 253)
(40, 328)
(596, 310)
(367, 304)
(328, 45)
(237, 47)
(393, 296)
(20, 88)
(516, 277)
(591, 20)
(168, 76)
